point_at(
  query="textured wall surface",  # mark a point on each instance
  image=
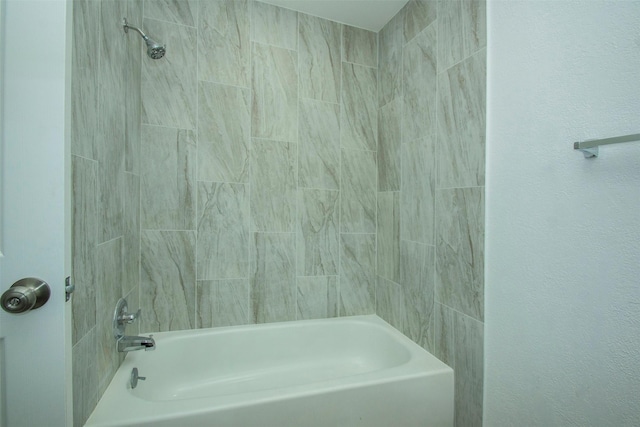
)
(231, 182)
(105, 148)
(430, 204)
(563, 236)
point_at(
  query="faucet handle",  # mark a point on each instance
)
(129, 317)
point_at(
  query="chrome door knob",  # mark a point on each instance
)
(25, 295)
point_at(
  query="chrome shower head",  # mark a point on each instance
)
(154, 49)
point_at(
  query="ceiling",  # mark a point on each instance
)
(368, 14)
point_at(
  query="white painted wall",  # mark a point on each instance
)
(562, 337)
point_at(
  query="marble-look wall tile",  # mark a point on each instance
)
(168, 178)
(389, 236)
(390, 303)
(274, 25)
(417, 195)
(317, 235)
(417, 278)
(444, 346)
(110, 138)
(273, 281)
(84, 241)
(390, 43)
(359, 46)
(273, 186)
(131, 243)
(169, 85)
(133, 84)
(222, 303)
(319, 58)
(419, 14)
(317, 297)
(168, 280)
(84, 84)
(319, 145)
(460, 250)
(358, 277)
(223, 133)
(176, 11)
(85, 378)
(223, 42)
(108, 291)
(419, 86)
(462, 30)
(223, 231)
(358, 193)
(389, 142)
(359, 118)
(462, 123)
(274, 100)
(469, 368)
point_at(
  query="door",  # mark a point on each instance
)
(34, 213)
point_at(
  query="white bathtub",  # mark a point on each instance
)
(352, 371)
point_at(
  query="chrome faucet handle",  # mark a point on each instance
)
(129, 317)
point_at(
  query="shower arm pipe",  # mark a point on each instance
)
(590, 147)
(126, 27)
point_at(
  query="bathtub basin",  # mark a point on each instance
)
(350, 371)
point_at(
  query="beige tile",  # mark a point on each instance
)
(460, 250)
(359, 118)
(169, 85)
(168, 280)
(417, 192)
(274, 101)
(273, 281)
(224, 49)
(317, 234)
(358, 192)
(273, 186)
(319, 58)
(319, 145)
(168, 179)
(389, 236)
(358, 278)
(420, 83)
(389, 142)
(274, 25)
(462, 123)
(176, 11)
(317, 297)
(224, 134)
(418, 15)
(223, 231)
(359, 46)
(222, 303)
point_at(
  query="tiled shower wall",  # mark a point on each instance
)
(258, 166)
(431, 157)
(263, 168)
(105, 147)
(231, 182)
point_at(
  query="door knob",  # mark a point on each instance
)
(24, 295)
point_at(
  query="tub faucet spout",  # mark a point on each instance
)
(127, 343)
